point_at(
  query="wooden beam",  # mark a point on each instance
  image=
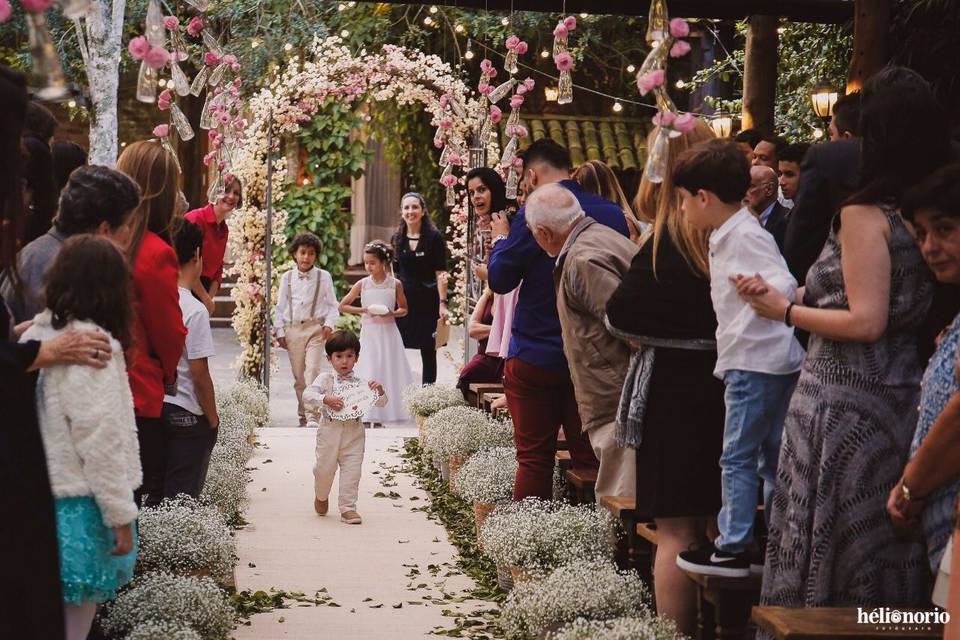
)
(871, 26)
(760, 73)
(824, 11)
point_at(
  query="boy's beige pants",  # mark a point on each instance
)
(339, 444)
(305, 348)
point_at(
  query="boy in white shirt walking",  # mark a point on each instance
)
(306, 312)
(758, 359)
(190, 407)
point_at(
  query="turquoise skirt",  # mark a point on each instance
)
(88, 572)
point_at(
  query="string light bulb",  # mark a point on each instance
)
(341, 7)
(680, 84)
(433, 9)
(254, 43)
(631, 68)
(428, 21)
(544, 54)
(818, 133)
(306, 181)
(72, 104)
(584, 15)
(505, 21)
(468, 54)
(458, 28)
(617, 107)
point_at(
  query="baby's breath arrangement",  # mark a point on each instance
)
(539, 535)
(163, 631)
(160, 597)
(592, 589)
(633, 628)
(463, 431)
(252, 397)
(487, 476)
(426, 400)
(227, 478)
(184, 536)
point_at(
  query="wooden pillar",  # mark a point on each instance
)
(871, 25)
(760, 73)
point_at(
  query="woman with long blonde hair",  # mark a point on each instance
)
(158, 331)
(597, 177)
(672, 407)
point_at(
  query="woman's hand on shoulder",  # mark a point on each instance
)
(83, 347)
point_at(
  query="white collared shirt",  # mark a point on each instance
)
(746, 341)
(295, 296)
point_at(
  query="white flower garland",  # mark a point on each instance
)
(592, 589)
(330, 70)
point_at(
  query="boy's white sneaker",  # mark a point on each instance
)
(313, 424)
(351, 517)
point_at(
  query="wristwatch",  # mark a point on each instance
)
(497, 239)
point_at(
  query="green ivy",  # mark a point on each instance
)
(333, 155)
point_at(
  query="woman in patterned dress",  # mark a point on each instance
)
(853, 414)
(930, 477)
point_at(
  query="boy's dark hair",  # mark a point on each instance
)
(778, 143)
(793, 152)
(715, 165)
(187, 239)
(90, 280)
(342, 340)
(546, 150)
(305, 238)
(67, 156)
(939, 192)
(40, 121)
(95, 194)
(750, 136)
(846, 114)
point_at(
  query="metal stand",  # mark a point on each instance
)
(267, 256)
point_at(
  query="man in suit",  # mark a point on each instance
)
(828, 175)
(762, 201)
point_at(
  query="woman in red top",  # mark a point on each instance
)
(212, 220)
(158, 331)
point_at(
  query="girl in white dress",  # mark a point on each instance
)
(382, 355)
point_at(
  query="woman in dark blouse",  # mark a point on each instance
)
(421, 265)
(31, 604)
(663, 306)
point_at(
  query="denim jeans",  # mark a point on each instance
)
(189, 441)
(756, 407)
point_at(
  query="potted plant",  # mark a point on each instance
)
(424, 401)
(487, 479)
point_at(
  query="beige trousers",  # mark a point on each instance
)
(339, 444)
(618, 465)
(305, 348)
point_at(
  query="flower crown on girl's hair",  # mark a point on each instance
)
(380, 249)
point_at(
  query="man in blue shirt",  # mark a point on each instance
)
(536, 379)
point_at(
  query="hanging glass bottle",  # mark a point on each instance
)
(165, 143)
(565, 88)
(514, 118)
(74, 9)
(658, 23)
(199, 5)
(511, 192)
(184, 130)
(217, 76)
(509, 151)
(657, 156)
(458, 108)
(501, 91)
(180, 83)
(208, 119)
(510, 61)
(210, 42)
(155, 31)
(451, 196)
(199, 81)
(216, 190)
(48, 82)
(146, 84)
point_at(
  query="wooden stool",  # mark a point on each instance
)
(835, 623)
(476, 390)
(731, 600)
(487, 398)
(563, 460)
(581, 483)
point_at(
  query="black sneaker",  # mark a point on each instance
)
(711, 561)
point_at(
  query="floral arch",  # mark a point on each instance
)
(330, 70)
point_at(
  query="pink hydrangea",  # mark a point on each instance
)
(521, 48)
(517, 131)
(212, 134)
(236, 67)
(445, 100)
(171, 22)
(563, 60)
(439, 141)
(679, 48)
(495, 114)
(486, 66)
(448, 180)
(157, 58)
(650, 80)
(664, 118)
(485, 89)
(138, 47)
(560, 31)
(446, 123)
(529, 84)
(679, 28)
(36, 6)
(161, 130)
(195, 26)
(684, 123)
(163, 100)
(512, 42)
(229, 59)
(516, 101)
(211, 59)
(570, 22)
(4, 10)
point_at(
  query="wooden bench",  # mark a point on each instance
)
(581, 483)
(724, 604)
(487, 398)
(834, 623)
(476, 390)
(563, 460)
(635, 552)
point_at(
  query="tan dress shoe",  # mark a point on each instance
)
(321, 506)
(351, 517)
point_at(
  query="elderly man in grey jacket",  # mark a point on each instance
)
(591, 262)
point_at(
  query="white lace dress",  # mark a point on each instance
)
(382, 355)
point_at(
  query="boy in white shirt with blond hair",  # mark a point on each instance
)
(304, 318)
(758, 359)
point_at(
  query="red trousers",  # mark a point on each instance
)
(540, 401)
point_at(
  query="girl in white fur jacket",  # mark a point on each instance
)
(88, 428)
